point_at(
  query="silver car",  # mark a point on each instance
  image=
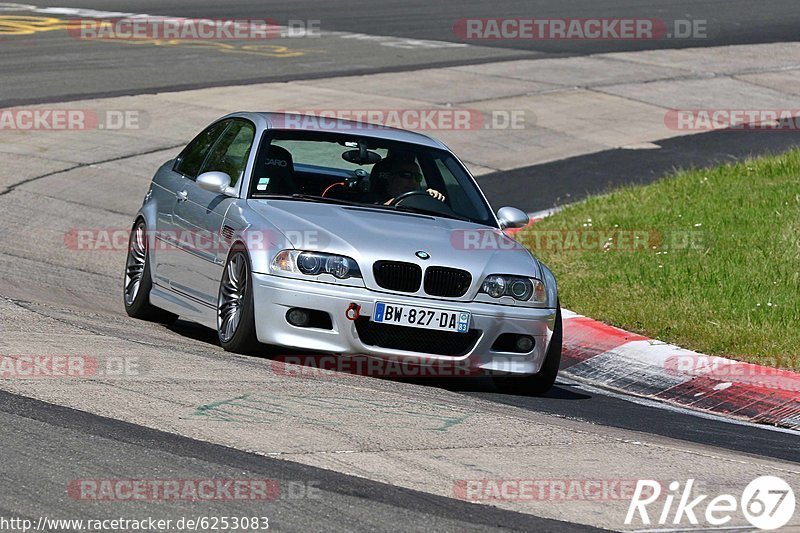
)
(342, 238)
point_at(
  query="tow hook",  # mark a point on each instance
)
(353, 311)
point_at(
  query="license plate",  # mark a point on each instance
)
(421, 317)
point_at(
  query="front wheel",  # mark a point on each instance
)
(236, 325)
(138, 283)
(541, 382)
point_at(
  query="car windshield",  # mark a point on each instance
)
(359, 170)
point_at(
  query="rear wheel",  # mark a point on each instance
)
(138, 283)
(236, 325)
(543, 381)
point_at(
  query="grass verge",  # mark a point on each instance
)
(706, 259)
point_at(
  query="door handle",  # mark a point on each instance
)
(182, 196)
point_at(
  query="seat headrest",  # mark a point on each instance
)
(276, 172)
(376, 183)
(279, 160)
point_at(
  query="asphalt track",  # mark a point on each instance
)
(59, 440)
(575, 178)
(49, 445)
(729, 22)
(48, 65)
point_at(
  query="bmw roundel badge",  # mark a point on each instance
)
(423, 255)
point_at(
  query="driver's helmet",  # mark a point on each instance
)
(383, 170)
(407, 172)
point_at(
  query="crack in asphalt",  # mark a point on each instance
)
(56, 265)
(14, 186)
(74, 202)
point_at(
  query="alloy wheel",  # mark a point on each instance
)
(231, 296)
(134, 267)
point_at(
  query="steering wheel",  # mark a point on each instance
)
(409, 194)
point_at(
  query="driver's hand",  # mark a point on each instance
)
(436, 194)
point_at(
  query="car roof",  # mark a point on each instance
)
(335, 125)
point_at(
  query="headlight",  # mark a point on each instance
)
(494, 286)
(315, 263)
(522, 289)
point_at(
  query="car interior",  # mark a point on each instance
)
(354, 169)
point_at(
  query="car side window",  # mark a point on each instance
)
(458, 196)
(230, 153)
(192, 157)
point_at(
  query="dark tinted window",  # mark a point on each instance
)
(192, 157)
(230, 153)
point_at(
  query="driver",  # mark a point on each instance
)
(402, 177)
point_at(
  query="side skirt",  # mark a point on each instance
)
(185, 306)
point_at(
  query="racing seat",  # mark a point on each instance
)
(377, 191)
(276, 171)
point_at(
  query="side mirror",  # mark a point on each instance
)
(511, 217)
(217, 182)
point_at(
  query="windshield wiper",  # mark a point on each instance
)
(310, 198)
(423, 211)
(336, 201)
(323, 199)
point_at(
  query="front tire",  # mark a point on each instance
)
(541, 382)
(138, 283)
(236, 325)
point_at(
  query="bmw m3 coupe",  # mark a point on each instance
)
(342, 238)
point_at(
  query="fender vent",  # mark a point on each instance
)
(227, 233)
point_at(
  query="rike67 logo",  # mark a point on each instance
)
(767, 503)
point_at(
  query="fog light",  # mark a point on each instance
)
(524, 344)
(513, 343)
(298, 317)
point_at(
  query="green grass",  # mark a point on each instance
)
(734, 290)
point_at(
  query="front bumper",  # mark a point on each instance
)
(273, 296)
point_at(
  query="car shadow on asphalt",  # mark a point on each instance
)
(560, 391)
(200, 333)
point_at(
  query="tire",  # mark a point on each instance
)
(137, 282)
(537, 384)
(236, 324)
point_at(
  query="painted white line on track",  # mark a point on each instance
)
(687, 530)
(389, 41)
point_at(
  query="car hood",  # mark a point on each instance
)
(374, 234)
